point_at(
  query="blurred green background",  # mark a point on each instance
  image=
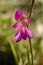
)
(7, 11)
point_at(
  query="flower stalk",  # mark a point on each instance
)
(31, 10)
(29, 38)
(31, 51)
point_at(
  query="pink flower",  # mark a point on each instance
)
(21, 24)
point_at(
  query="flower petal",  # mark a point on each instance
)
(17, 36)
(24, 16)
(29, 34)
(17, 25)
(27, 21)
(18, 14)
(23, 33)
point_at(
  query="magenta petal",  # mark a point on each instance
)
(29, 34)
(17, 36)
(27, 21)
(24, 16)
(17, 25)
(23, 33)
(18, 14)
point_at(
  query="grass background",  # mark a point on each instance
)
(7, 12)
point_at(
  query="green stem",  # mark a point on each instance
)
(14, 52)
(29, 38)
(31, 51)
(28, 54)
(31, 10)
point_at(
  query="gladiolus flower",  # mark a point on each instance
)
(22, 21)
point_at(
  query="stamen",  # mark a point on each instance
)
(24, 21)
